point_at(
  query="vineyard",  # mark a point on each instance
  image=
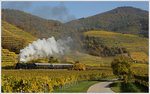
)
(139, 56)
(8, 58)
(30, 81)
(14, 38)
(113, 39)
(18, 32)
(136, 46)
(140, 69)
(141, 75)
(86, 56)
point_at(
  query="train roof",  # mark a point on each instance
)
(51, 64)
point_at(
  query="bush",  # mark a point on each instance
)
(79, 66)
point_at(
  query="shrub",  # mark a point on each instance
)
(79, 66)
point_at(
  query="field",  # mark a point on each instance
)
(80, 87)
(58, 80)
(131, 87)
(46, 80)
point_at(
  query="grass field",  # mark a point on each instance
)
(80, 87)
(121, 87)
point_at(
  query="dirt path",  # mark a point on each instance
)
(101, 87)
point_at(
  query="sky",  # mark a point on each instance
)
(70, 10)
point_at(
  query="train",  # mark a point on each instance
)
(42, 66)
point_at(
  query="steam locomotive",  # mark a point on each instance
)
(42, 66)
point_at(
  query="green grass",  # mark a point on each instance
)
(116, 86)
(120, 86)
(80, 87)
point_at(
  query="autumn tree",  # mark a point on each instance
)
(122, 68)
(79, 66)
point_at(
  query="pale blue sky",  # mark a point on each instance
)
(70, 9)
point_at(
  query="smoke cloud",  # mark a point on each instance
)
(45, 47)
(59, 12)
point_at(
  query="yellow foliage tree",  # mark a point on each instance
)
(79, 66)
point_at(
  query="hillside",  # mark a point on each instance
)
(17, 31)
(125, 23)
(14, 38)
(123, 20)
(137, 46)
(113, 39)
(34, 25)
(8, 58)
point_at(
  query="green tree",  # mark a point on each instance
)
(122, 68)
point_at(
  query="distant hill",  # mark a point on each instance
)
(34, 25)
(121, 30)
(14, 38)
(123, 20)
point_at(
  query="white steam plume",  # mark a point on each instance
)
(45, 47)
